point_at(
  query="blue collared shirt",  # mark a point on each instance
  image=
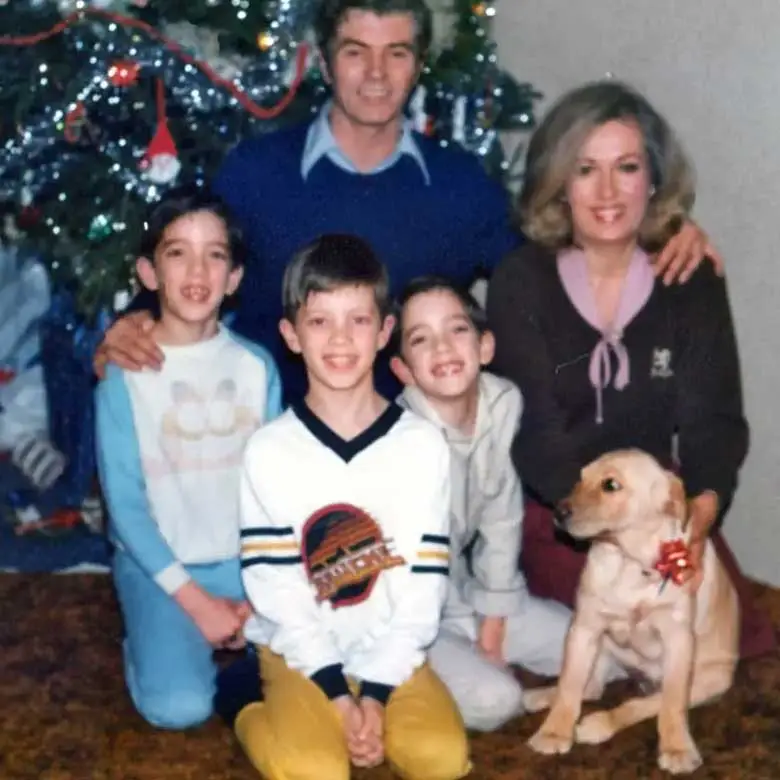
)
(320, 143)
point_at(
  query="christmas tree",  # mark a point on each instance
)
(105, 104)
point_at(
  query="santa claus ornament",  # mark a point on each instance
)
(161, 164)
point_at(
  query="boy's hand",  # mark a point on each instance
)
(370, 748)
(352, 720)
(129, 344)
(219, 620)
(683, 254)
(491, 638)
(243, 610)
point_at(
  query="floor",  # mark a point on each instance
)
(65, 714)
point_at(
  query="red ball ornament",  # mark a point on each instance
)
(28, 217)
(124, 73)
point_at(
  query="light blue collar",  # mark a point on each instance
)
(320, 143)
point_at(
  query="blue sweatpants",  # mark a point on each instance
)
(169, 665)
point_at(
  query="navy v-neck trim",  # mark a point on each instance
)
(348, 449)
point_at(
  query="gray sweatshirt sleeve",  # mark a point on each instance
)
(498, 587)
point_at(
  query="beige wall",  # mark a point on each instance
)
(713, 67)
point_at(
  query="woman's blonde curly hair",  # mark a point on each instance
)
(544, 214)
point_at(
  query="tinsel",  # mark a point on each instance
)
(77, 110)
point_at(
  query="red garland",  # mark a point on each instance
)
(129, 21)
(674, 562)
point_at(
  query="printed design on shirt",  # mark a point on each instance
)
(433, 555)
(269, 545)
(661, 366)
(344, 553)
(203, 431)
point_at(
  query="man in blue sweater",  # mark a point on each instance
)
(359, 168)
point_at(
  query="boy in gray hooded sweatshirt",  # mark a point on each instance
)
(489, 620)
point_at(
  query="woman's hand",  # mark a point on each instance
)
(683, 254)
(702, 513)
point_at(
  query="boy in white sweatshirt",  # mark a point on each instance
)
(490, 620)
(345, 548)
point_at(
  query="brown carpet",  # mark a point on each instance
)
(64, 714)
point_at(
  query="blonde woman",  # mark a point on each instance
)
(605, 356)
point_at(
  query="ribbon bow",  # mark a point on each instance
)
(674, 562)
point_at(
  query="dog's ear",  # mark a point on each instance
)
(676, 505)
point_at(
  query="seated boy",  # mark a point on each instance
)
(489, 617)
(170, 445)
(345, 522)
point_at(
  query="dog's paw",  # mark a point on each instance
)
(538, 699)
(550, 742)
(595, 728)
(681, 761)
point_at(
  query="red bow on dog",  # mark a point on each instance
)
(674, 562)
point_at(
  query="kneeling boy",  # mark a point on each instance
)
(490, 619)
(345, 548)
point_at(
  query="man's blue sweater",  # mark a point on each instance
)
(456, 225)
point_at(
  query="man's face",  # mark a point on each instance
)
(373, 66)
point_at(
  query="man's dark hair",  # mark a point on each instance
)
(434, 283)
(190, 199)
(331, 14)
(329, 262)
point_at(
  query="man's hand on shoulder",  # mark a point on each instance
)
(683, 254)
(129, 344)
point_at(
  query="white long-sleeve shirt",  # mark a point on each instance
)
(345, 546)
(170, 447)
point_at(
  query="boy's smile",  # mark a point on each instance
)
(442, 350)
(448, 368)
(192, 272)
(338, 333)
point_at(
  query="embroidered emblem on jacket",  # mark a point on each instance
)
(661, 367)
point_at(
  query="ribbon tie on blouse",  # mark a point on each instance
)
(600, 369)
(637, 287)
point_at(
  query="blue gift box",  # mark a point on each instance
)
(67, 347)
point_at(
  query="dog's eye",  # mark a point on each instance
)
(610, 485)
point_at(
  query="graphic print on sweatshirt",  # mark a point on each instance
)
(344, 552)
(202, 431)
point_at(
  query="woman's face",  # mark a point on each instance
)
(610, 187)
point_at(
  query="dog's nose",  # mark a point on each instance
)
(562, 514)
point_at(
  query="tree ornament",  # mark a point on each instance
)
(161, 164)
(265, 41)
(124, 73)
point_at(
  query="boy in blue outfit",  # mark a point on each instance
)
(170, 447)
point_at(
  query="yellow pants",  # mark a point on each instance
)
(295, 733)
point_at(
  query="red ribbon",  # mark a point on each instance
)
(61, 518)
(674, 562)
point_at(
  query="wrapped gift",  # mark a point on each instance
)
(24, 300)
(67, 347)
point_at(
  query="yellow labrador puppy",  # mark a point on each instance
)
(628, 612)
